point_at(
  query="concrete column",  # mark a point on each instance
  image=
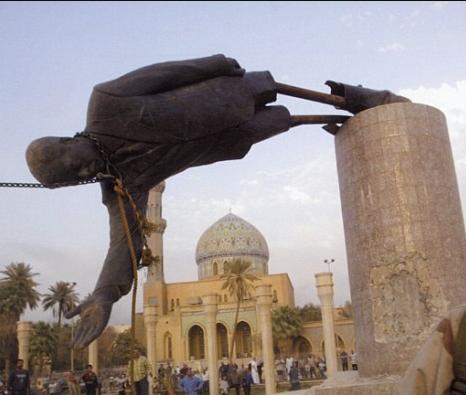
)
(23, 333)
(94, 355)
(155, 240)
(324, 284)
(150, 322)
(210, 308)
(264, 302)
(404, 230)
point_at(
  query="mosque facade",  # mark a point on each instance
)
(180, 319)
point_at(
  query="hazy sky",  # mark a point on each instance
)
(52, 54)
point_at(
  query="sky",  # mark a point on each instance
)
(53, 53)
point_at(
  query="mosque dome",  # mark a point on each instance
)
(231, 237)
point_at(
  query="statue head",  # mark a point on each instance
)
(62, 159)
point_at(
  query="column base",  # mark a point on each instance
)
(349, 383)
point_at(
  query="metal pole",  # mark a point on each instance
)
(72, 348)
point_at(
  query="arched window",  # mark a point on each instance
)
(222, 341)
(172, 304)
(243, 340)
(168, 346)
(177, 302)
(275, 297)
(196, 342)
(301, 347)
(215, 268)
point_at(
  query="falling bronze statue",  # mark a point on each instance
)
(158, 121)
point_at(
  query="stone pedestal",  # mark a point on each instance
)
(324, 284)
(210, 309)
(404, 230)
(264, 303)
(94, 355)
(23, 333)
(350, 383)
(150, 323)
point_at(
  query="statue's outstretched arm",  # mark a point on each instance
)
(162, 77)
(116, 277)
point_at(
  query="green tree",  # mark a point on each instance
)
(310, 312)
(17, 292)
(347, 310)
(122, 346)
(238, 280)
(43, 344)
(61, 299)
(286, 325)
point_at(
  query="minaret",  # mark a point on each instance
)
(155, 292)
(155, 241)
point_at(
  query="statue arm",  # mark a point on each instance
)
(162, 77)
(116, 277)
(117, 271)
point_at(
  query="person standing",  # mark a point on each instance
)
(254, 372)
(19, 382)
(294, 377)
(205, 382)
(90, 380)
(260, 365)
(141, 370)
(68, 385)
(246, 382)
(190, 384)
(288, 365)
(354, 360)
(233, 379)
(344, 360)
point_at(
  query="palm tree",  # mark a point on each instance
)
(17, 289)
(238, 280)
(17, 292)
(61, 299)
(286, 325)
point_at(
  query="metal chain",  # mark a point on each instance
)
(51, 186)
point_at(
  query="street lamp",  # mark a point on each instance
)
(73, 284)
(328, 262)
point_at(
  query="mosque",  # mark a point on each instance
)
(180, 327)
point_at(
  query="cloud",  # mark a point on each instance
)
(349, 19)
(393, 47)
(450, 99)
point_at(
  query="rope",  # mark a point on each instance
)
(121, 193)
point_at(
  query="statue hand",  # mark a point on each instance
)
(95, 313)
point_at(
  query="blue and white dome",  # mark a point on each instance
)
(231, 237)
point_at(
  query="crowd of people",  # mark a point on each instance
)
(169, 380)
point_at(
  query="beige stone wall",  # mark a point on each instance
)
(187, 311)
(312, 332)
